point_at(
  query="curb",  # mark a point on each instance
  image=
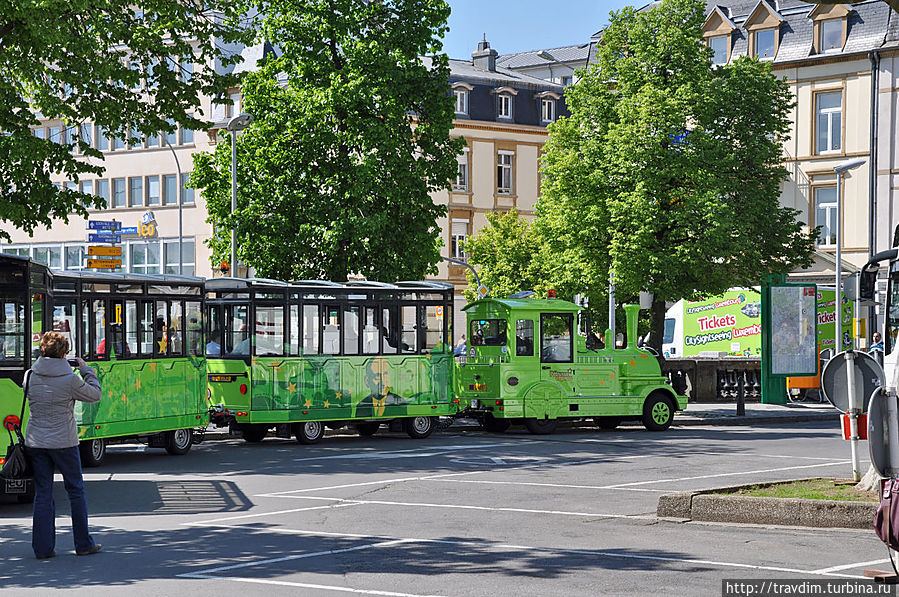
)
(689, 420)
(704, 506)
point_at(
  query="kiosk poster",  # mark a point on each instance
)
(794, 337)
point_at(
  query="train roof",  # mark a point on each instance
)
(529, 304)
(229, 283)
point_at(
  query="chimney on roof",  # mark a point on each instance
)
(484, 58)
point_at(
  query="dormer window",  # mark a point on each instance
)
(548, 110)
(718, 44)
(461, 93)
(504, 106)
(765, 44)
(831, 35)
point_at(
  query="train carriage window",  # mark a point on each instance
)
(389, 335)
(13, 330)
(37, 324)
(176, 329)
(146, 338)
(98, 313)
(269, 330)
(433, 326)
(132, 327)
(65, 322)
(194, 328)
(86, 343)
(556, 343)
(237, 334)
(214, 323)
(160, 329)
(331, 330)
(488, 332)
(370, 335)
(409, 327)
(310, 329)
(115, 344)
(293, 332)
(351, 330)
(524, 338)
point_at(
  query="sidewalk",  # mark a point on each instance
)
(725, 413)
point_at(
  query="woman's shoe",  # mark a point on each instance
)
(95, 549)
(52, 554)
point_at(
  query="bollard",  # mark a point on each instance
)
(741, 394)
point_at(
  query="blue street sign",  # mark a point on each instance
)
(104, 238)
(128, 230)
(104, 225)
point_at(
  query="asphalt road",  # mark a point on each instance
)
(460, 513)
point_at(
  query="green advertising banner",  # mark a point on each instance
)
(730, 323)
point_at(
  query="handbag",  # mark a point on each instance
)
(17, 465)
(886, 519)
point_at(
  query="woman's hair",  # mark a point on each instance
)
(54, 345)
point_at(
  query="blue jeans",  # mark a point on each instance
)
(68, 461)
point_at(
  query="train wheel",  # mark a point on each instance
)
(494, 425)
(368, 429)
(607, 423)
(657, 412)
(420, 427)
(93, 451)
(179, 441)
(310, 432)
(254, 433)
(541, 426)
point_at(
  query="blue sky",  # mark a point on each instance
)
(518, 25)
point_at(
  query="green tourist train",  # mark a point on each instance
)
(299, 357)
(527, 364)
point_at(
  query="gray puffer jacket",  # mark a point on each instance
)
(52, 393)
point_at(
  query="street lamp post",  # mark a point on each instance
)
(236, 124)
(849, 355)
(180, 210)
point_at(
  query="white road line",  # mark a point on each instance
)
(736, 473)
(848, 566)
(468, 507)
(585, 552)
(416, 453)
(560, 485)
(284, 583)
(242, 516)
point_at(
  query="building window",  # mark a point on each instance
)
(74, 258)
(459, 234)
(153, 194)
(826, 215)
(136, 191)
(118, 142)
(461, 182)
(102, 139)
(187, 136)
(828, 121)
(153, 140)
(548, 109)
(566, 81)
(765, 43)
(504, 107)
(171, 138)
(171, 257)
(53, 134)
(145, 258)
(831, 35)
(170, 189)
(40, 133)
(135, 139)
(87, 187)
(86, 132)
(50, 256)
(461, 101)
(504, 172)
(103, 191)
(187, 192)
(718, 44)
(118, 192)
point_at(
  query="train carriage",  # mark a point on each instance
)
(527, 364)
(298, 357)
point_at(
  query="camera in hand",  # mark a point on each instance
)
(73, 362)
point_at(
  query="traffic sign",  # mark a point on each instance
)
(104, 225)
(868, 377)
(105, 263)
(878, 432)
(104, 238)
(105, 251)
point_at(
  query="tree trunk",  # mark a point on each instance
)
(657, 325)
(870, 481)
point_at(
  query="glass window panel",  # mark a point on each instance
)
(556, 344)
(187, 136)
(331, 330)
(161, 328)
(719, 46)
(132, 326)
(389, 317)
(214, 323)
(409, 329)
(55, 254)
(370, 335)
(524, 338)
(85, 349)
(172, 138)
(351, 330)
(53, 134)
(65, 322)
(102, 139)
(488, 332)
(74, 258)
(176, 328)
(153, 195)
(87, 187)
(187, 192)
(118, 142)
(831, 34)
(294, 329)
(103, 191)
(86, 132)
(13, 331)
(764, 43)
(145, 328)
(118, 192)
(40, 133)
(310, 329)
(237, 340)
(433, 327)
(193, 328)
(41, 255)
(269, 330)
(98, 312)
(135, 191)
(117, 345)
(170, 187)
(153, 140)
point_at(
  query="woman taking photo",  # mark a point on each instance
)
(51, 440)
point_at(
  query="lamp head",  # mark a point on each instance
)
(543, 54)
(848, 165)
(239, 122)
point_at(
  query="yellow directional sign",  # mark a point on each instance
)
(105, 251)
(105, 263)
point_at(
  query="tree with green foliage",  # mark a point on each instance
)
(98, 62)
(351, 134)
(668, 171)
